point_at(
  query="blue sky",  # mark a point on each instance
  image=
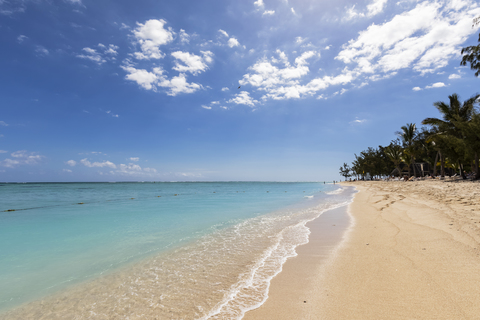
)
(279, 90)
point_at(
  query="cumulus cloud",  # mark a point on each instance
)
(206, 107)
(184, 37)
(103, 164)
(416, 88)
(142, 77)
(71, 163)
(225, 89)
(91, 54)
(243, 98)
(373, 8)
(223, 32)
(268, 12)
(179, 85)
(100, 55)
(130, 169)
(156, 79)
(21, 157)
(424, 39)
(259, 4)
(188, 62)
(281, 80)
(436, 85)
(233, 42)
(454, 76)
(150, 36)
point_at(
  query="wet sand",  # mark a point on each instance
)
(412, 253)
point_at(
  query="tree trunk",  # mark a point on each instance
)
(414, 170)
(435, 164)
(477, 172)
(442, 165)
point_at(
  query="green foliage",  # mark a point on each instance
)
(345, 171)
(472, 55)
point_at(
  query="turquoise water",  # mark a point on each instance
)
(61, 235)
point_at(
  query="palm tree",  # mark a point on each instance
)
(472, 55)
(394, 152)
(408, 135)
(455, 116)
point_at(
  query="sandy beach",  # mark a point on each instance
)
(410, 251)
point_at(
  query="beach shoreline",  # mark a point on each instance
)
(413, 253)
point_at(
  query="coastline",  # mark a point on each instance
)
(413, 253)
(292, 292)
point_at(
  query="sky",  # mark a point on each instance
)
(219, 90)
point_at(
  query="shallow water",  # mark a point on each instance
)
(206, 252)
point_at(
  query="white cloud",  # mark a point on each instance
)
(179, 85)
(358, 121)
(223, 32)
(225, 89)
(67, 170)
(300, 40)
(101, 56)
(281, 80)
(191, 62)
(3, 151)
(156, 79)
(41, 50)
(424, 38)
(376, 7)
(373, 8)
(142, 77)
(206, 107)
(103, 164)
(71, 163)
(416, 89)
(268, 12)
(259, 4)
(111, 49)
(3, 123)
(293, 11)
(150, 36)
(454, 76)
(233, 42)
(91, 54)
(184, 37)
(22, 157)
(9, 163)
(19, 154)
(243, 98)
(109, 112)
(436, 85)
(21, 38)
(130, 169)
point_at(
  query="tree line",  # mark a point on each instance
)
(444, 145)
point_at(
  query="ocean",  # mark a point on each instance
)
(136, 250)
